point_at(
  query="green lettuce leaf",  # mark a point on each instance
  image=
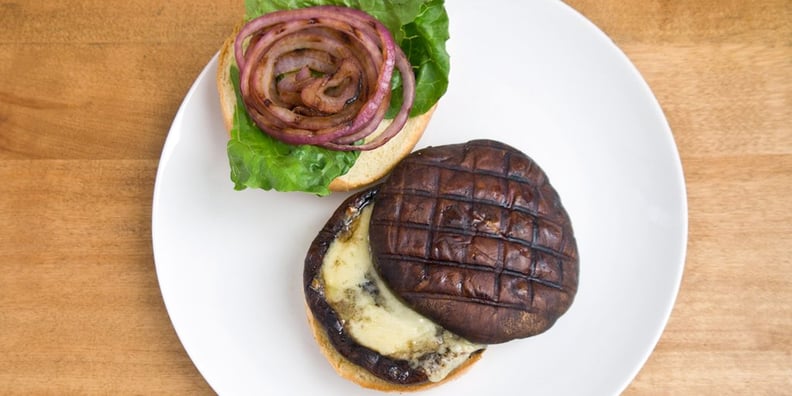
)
(259, 161)
(423, 42)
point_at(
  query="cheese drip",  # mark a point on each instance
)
(376, 318)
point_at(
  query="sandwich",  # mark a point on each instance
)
(330, 95)
(459, 247)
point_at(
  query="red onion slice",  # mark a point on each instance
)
(408, 93)
(321, 76)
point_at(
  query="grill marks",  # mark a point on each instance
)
(475, 225)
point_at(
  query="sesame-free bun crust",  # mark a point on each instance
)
(356, 374)
(371, 166)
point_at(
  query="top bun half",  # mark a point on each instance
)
(370, 166)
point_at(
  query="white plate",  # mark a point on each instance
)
(536, 75)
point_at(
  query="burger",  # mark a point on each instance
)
(329, 96)
(461, 246)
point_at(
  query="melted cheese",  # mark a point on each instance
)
(376, 318)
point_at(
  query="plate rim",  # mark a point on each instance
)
(174, 135)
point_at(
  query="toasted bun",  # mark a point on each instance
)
(369, 167)
(354, 373)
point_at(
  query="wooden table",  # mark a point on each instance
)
(87, 93)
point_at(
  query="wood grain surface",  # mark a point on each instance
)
(88, 90)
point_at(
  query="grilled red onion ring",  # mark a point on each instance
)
(321, 76)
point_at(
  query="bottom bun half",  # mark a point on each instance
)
(350, 359)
